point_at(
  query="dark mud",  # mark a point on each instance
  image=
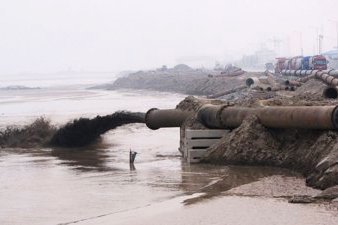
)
(84, 131)
(33, 135)
(78, 133)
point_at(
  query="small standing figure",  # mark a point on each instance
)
(132, 156)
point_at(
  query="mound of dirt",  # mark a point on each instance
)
(179, 80)
(313, 152)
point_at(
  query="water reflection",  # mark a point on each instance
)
(84, 159)
(104, 181)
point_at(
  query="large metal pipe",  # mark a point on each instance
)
(330, 92)
(327, 79)
(333, 72)
(156, 118)
(308, 72)
(300, 73)
(327, 76)
(209, 115)
(304, 117)
(252, 82)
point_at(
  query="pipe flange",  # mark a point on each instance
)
(219, 114)
(317, 73)
(146, 119)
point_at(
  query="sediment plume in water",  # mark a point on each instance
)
(84, 131)
(78, 133)
(33, 135)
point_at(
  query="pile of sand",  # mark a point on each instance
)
(312, 152)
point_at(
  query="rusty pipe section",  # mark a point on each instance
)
(209, 115)
(156, 118)
(303, 117)
(326, 78)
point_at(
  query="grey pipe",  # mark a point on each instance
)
(156, 118)
(304, 117)
(252, 81)
(333, 72)
(299, 73)
(308, 72)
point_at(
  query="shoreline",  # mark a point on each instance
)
(229, 208)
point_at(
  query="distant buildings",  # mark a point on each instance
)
(257, 60)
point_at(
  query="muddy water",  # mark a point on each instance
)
(98, 186)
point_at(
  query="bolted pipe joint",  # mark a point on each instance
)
(334, 117)
(301, 117)
(209, 115)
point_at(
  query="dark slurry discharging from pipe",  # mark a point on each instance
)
(84, 131)
(33, 135)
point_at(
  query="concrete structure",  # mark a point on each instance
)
(197, 142)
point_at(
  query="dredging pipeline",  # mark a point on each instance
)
(229, 117)
(299, 73)
(156, 118)
(303, 117)
(326, 78)
(319, 74)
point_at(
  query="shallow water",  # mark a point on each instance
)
(55, 186)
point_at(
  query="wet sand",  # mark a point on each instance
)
(222, 211)
(98, 186)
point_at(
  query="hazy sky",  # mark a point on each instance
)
(109, 35)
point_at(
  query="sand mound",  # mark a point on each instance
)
(313, 152)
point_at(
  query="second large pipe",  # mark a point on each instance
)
(304, 117)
